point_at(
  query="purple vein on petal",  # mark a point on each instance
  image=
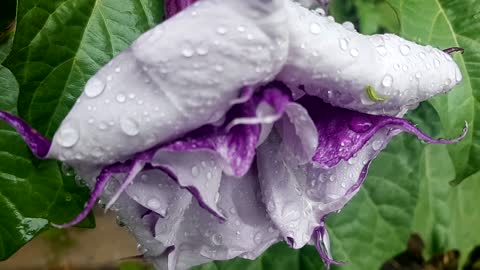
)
(321, 243)
(39, 145)
(100, 184)
(134, 170)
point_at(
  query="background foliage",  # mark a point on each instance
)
(59, 44)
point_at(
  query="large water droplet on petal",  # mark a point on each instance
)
(217, 239)
(68, 137)
(354, 52)
(94, 87)
(387, 80)
(343, 44)
(153, 203)
(404, 49)
(129, 126)
(315, 28)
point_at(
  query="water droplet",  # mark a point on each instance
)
(217, 239)
(153, 203)
(458, 75)
(354, 52)
(258, 238)
(118, 69)
(404, 49)
(209, 175)
(121, 98)
(396, 66)
(382, 50)
(129, 126)
(221, 30)
(387, 80)
(423, 55)
(349, 26)
(94, 87)
(218, 68)
(376, 145)
(241, 29)
(68, 137)
(343, 44)
(436, 63)
(202, 51)
(195, 171)
(187, 52)
(331, 178)
(418, 75)
(315, 28)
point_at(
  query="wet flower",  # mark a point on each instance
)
(238, 124)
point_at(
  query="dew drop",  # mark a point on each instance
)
(343, 44)
(315, 28)
(404, 49)
(387, 81)
(94, 87)
(418, 75)
(202, 51)
(221, 30)
(153, 203)
(258, 238)
(129, 126)
(121, 98)
(241, 29)
(376, 145)
(217, 239)
(354, 52)
(195, 171)
(187, 52)
(118, 69)
(68, 137)
(436, 63)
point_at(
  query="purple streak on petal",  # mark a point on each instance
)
(135, 169)
(173, 7)
(100, 184)
(39, 145)
(453, 50)
(342, 132)
(322, 243)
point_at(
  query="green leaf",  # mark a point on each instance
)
(60, 44)
(32, 193)
(451, 23)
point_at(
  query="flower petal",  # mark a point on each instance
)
(342, 133)
(247, 232)
(299, 196)
(36, 142)
(168, 82)
(380, 74)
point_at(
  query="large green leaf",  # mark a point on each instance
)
(58, 46)
(451, 23)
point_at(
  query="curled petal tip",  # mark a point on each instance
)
(39, 145)
(454, 49)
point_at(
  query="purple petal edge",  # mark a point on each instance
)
(323, 251)
(39, 145)
(100, 184)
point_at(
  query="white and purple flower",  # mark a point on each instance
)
(236, 124)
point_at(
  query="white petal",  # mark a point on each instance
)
(337, 64)
(176, 77)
